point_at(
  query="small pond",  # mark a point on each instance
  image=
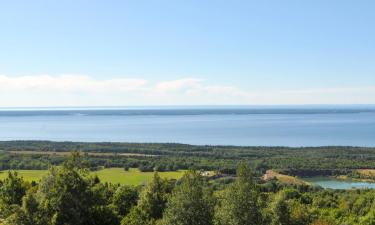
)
(333, 183)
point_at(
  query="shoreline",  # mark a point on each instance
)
(186, 144)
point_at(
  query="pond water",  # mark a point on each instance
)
(333, 183)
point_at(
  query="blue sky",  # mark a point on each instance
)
(175, 52)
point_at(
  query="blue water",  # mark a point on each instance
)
(268, 126)
(332, 183)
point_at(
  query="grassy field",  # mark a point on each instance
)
(133, 176)
(111, 175)
(28, 175)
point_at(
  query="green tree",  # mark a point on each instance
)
(280, 209)
(19, 217)
(299, 213)
(137, 217)
(288, 209)
(151, 204)
(190, 203)
(240, 203)
(124, 199)
(27, 214)
(12, 189)
(369, 219)
(154, 198)
(67, 196)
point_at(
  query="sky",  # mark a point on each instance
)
(186, 52)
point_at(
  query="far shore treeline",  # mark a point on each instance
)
(304, 162)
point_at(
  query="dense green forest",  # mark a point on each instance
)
(170, 157)
(68, 195)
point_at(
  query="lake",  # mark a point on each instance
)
(266, 126)
(333, 183)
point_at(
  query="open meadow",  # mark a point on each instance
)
(111, 175)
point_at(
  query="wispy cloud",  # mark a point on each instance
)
(68, 83)
(178, 85)
(83, 90)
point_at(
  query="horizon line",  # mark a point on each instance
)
(183, 106)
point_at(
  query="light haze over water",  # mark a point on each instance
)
(253, 126)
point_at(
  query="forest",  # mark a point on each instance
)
(170, 157)
(68, 195)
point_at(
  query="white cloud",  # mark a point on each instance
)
(68, 83)
(178, 85)
(82, 90)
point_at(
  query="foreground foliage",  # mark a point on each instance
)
(69, 195)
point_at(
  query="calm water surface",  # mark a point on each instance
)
(328, 182)
(270, 127)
